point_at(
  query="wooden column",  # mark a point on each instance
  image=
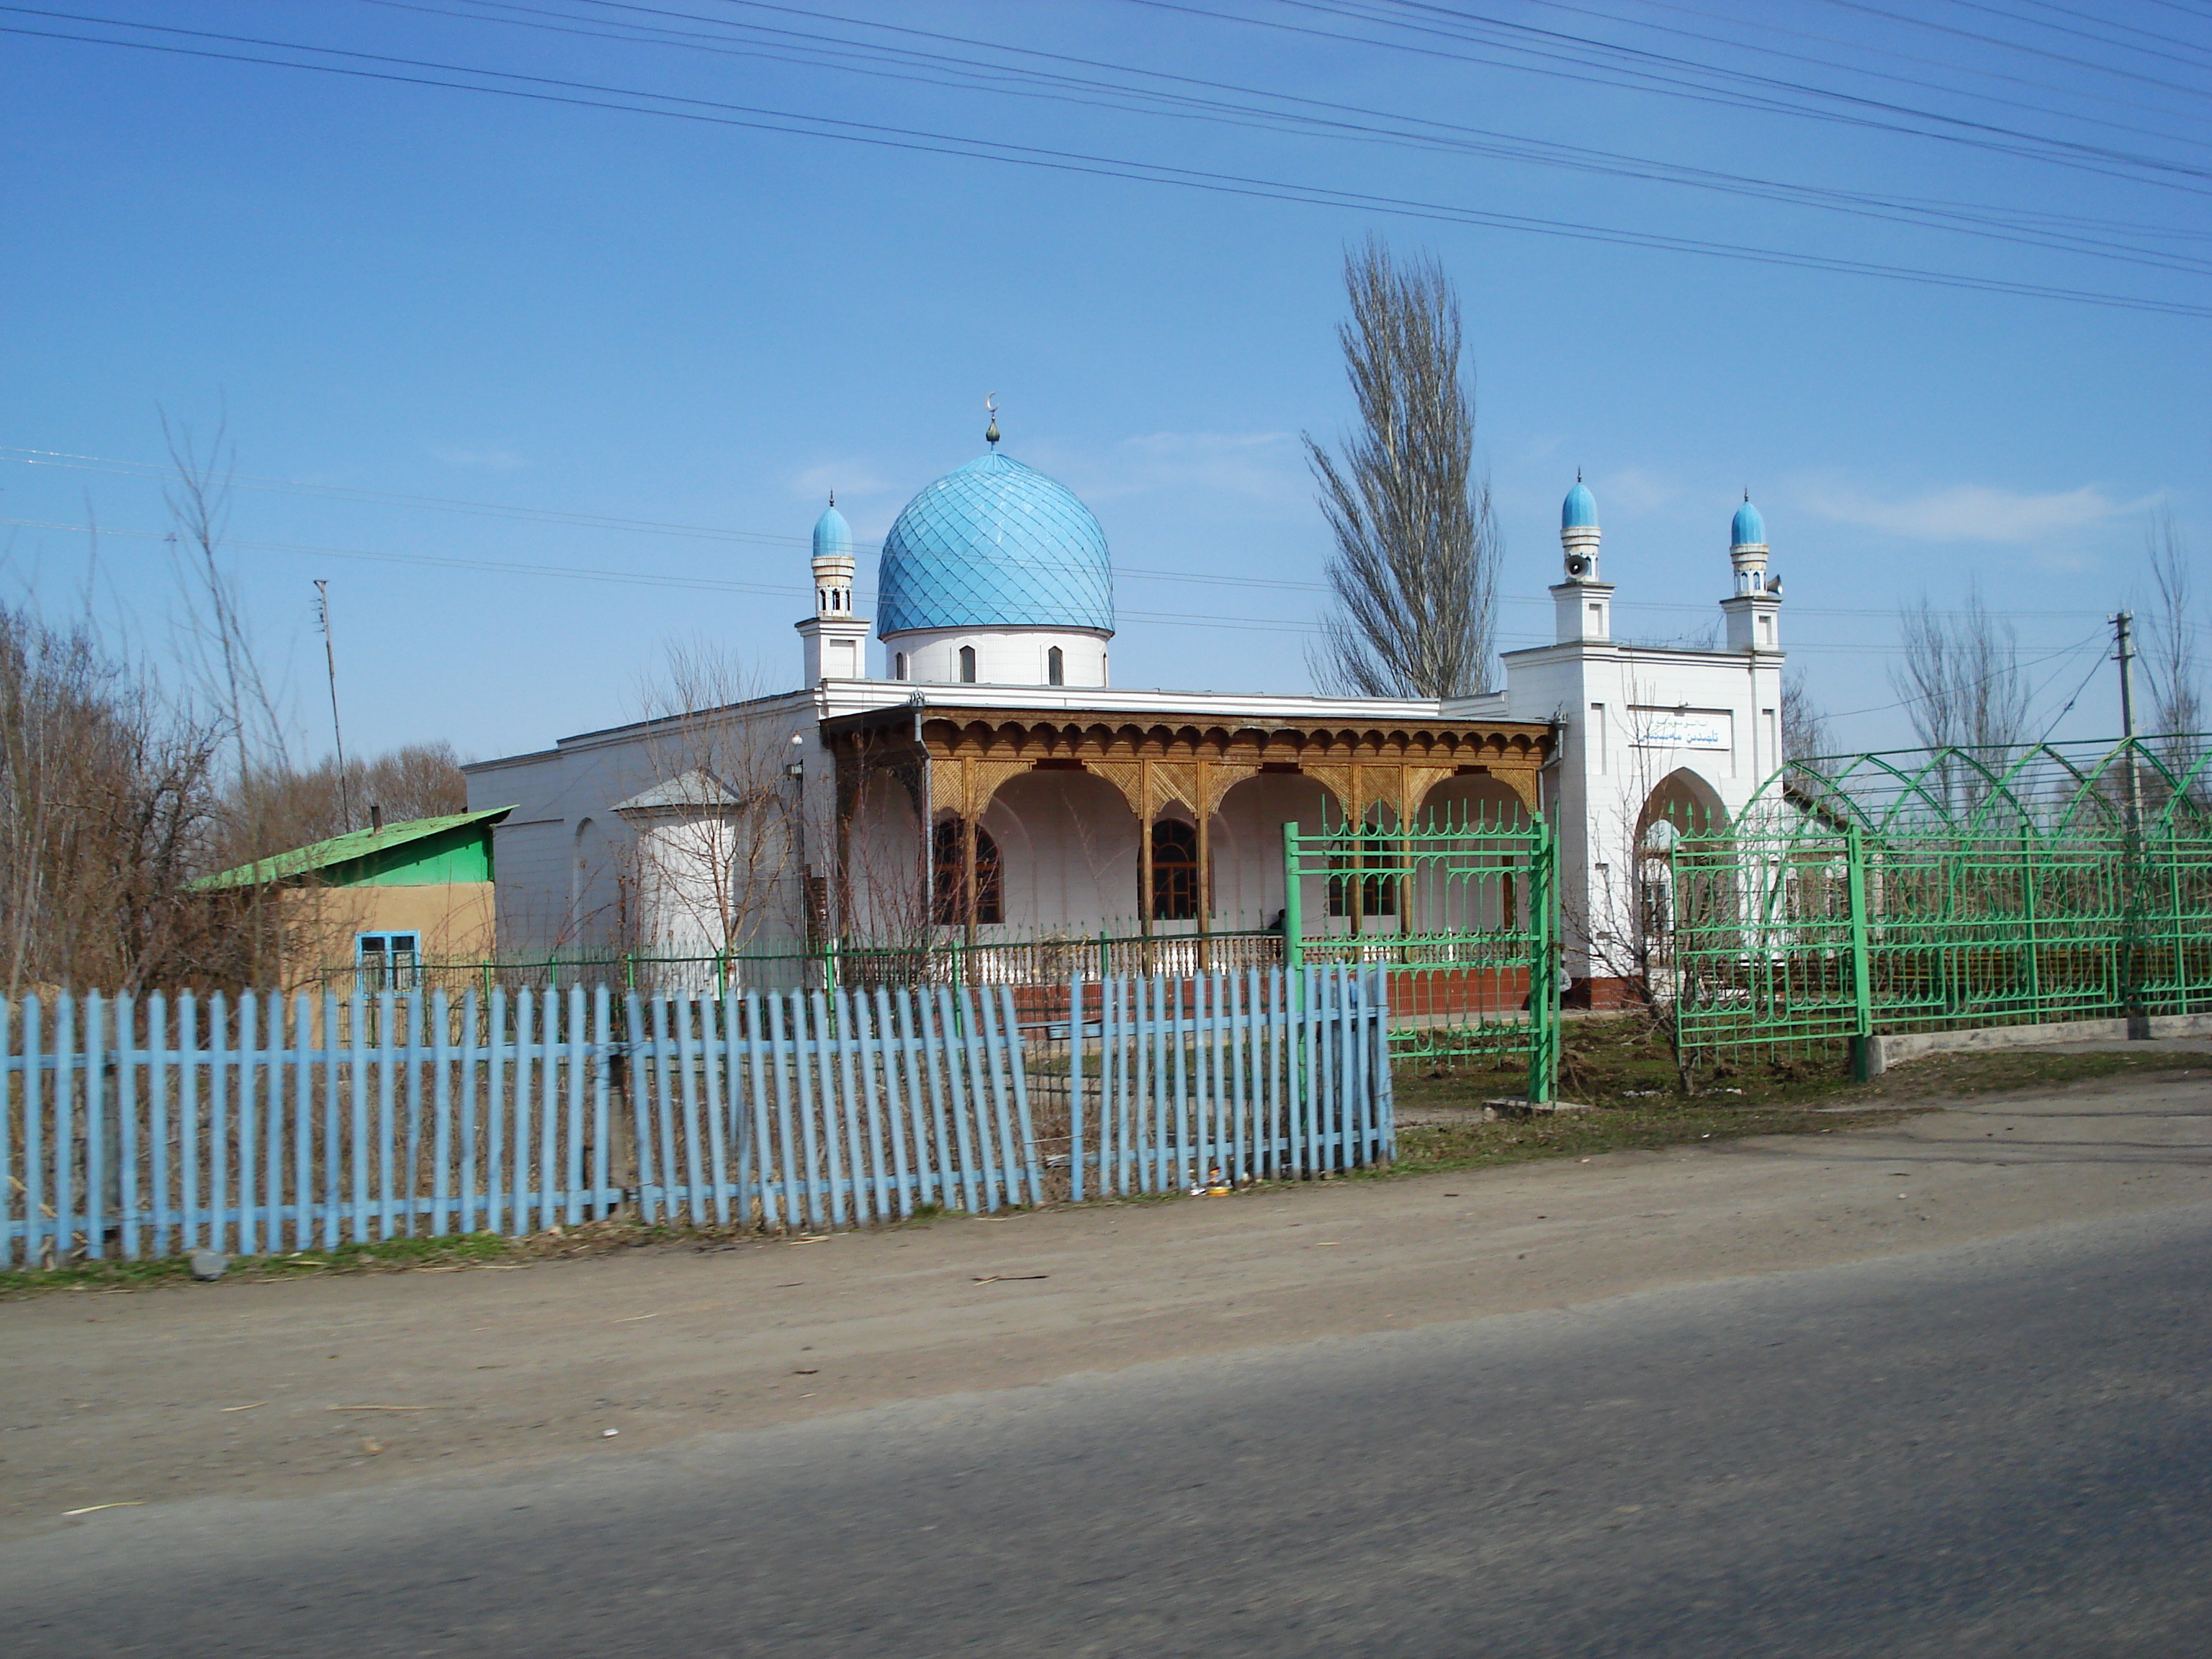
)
(1203, 771)
(1145, 849)
(968, 814)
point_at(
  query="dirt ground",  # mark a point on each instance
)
(265, 1389)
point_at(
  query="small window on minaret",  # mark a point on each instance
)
(1056, 667)
(967, 664)
(898, 666)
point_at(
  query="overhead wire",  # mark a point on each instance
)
(145, 472)
(560, 91)
(2095, 239)
(2002, 43)
(1950, 67)
(2009, 668)
(1874, 114)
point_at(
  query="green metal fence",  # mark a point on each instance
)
(1463, 916)
(1922, 889)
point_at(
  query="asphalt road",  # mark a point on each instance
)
(2000, 1449)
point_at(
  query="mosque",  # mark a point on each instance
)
(974, 773)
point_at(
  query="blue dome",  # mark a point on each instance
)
(1579, 512)
(995, 544)
(1749, 529)
(832, 535)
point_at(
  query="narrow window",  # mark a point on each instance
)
(898, 666)
(1056, 667)
(950, 907)
(967, 664)
(1175, 870)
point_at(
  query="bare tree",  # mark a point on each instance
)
(1804, 724)
(1415, 570)
(106, 793)
(2178, 705)
(279, 806)
(1962, 679)
(719, 836)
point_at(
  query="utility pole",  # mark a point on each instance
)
(2124, 639)
(331, 662)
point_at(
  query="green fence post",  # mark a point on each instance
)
(1862, 1053)
(1294, 929)
(1543, 969)
(2178, 1001)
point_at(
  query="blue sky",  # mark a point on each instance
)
(582, 316)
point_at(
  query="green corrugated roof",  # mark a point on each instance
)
(343, 849)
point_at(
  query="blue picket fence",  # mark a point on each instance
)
(1226, 1078)
(138, 1127)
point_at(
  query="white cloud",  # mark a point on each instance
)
(1967, 513)
(848, 478)
(1633, 490)
(1259, 465)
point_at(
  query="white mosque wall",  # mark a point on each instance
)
(571, 875)
(1003, 656)
(1633, 719)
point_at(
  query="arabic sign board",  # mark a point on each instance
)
(1681, 728)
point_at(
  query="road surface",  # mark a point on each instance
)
(1942, 1436)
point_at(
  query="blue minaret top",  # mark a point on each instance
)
(833, 537)
(1749, 530)
(1579, 511)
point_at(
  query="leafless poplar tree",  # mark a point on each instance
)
(1415, 570)
(2178, 705)
(1961, 677)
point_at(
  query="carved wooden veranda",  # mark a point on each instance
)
(952, 760)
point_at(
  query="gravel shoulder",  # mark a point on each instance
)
(270, 1389)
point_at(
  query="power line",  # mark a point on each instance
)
(823, 50)
(797, 591)
(2002, 43)
(882, 136)
(1766, 92)
(2096, 638)
(1948, 67)
(146, 472)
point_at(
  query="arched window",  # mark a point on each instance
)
(950, 909)
(898, 666)
(1056, 667)
(967, 664)
(1175, 870)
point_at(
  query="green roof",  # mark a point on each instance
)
(370, 855)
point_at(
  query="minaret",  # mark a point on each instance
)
(1584, 601)
(1754, 610)
(835, 639)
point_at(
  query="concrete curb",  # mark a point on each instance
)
(1887, 1051)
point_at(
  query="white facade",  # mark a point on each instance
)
(682, 836)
